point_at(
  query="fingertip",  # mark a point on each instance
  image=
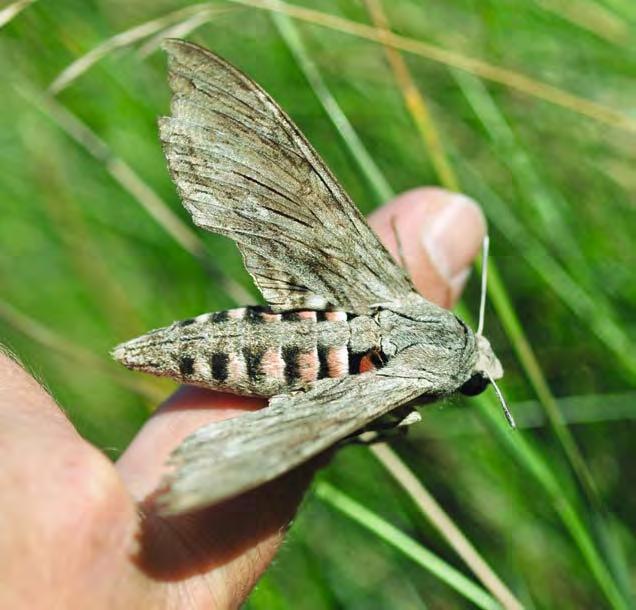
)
(438, 232)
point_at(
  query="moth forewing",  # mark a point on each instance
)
(243, 169)
(226, 458)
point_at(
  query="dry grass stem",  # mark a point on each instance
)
(123, 39)
(444, 524)
(414, 100)
(50, 340)
(13, 10)
(181, 29)
(514, 80)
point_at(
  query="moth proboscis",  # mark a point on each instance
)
(344, 338)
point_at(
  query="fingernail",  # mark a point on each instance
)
(453, 236)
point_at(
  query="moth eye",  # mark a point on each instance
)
(475, 385)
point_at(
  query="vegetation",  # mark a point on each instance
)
(526, 106)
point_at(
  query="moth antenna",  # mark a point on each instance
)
(484, 284)
(502, 400)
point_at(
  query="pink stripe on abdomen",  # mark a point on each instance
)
(237, 371)
(338, 361)
(336, 316)
(272, 364)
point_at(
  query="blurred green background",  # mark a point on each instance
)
(528, 106)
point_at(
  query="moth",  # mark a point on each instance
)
(344, 338)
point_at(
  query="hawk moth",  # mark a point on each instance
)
(344, 338)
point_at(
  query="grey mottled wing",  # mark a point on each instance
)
(226, 458)
(244, 170)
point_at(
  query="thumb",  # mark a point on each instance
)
(437, 233)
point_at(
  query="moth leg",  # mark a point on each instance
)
(370, 437)
(226, 458)
(386, 428)
(403, 416)
(409, 419)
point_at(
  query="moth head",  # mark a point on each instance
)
(487, 368)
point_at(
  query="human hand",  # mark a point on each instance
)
(74, 532)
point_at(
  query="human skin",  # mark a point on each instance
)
(77, 531)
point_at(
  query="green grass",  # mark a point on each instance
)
(527, 106)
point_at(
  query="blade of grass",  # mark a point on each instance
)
(127, 178)
(549, 206)
(560, 281)
(509, 78)
(514, 330)
(521, 450)
(594, 311)
(576, 409)
(423, 500)
(590, 17)
(589, 408)
(406, 545)
(623, 8)
(586, 307)
(541, 472)
(77, 243)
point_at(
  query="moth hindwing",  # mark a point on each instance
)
(344, 338)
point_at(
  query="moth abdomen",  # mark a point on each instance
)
(255, 351)
(246, 350)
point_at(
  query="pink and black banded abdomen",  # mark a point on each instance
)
(253, 351)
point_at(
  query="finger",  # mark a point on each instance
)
(439, 232)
